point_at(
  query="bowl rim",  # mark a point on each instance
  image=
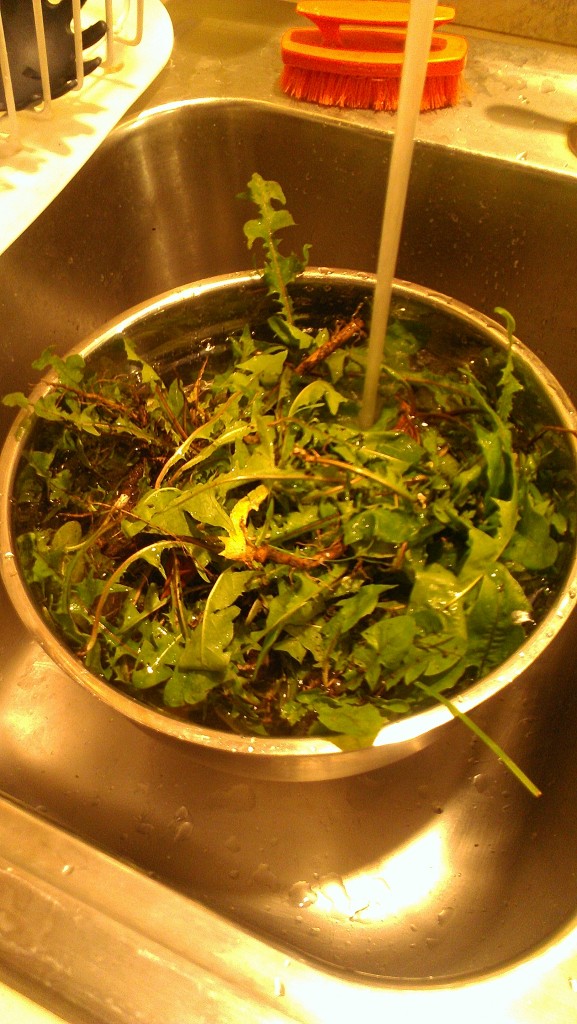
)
(411, 732)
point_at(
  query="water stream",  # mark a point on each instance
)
(419, 33)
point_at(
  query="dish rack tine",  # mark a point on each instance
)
(42, 56)
(139, 26)
(78, 55)
(11, 141)
(112, 36)
(10, 127)
(109, 19)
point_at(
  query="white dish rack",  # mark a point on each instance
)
(42, 147)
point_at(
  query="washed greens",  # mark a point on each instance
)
(234, 549)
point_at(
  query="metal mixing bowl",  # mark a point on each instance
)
(177, 329)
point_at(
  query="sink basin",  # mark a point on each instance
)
(435, 871)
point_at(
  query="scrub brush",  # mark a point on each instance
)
(353, 57)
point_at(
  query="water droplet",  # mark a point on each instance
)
(8, 922)
(265, 877)
(183, 831)
(480, 782)
(239, 797)
(67, 869)
(333, 888)
(444, 915)
(301, 895)
(144, 828)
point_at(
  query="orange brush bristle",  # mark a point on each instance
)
(354, 56)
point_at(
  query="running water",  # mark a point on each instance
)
(419, 33)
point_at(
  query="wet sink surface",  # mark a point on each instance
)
(437, 868)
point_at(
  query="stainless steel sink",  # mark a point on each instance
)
(432, 875)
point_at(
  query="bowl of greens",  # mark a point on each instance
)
(202, 535)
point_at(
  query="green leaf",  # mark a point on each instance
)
(486, 740)
(67, 536)
(267, 367)
(152, 555)
(279, 271)
(272, 219)
(497, 462)
(484, 549)
(289, 334)
(314, 394)
(493, 633)
(147, 372)
(392, 638)
(155, 662)
(167, 509)
(298, 641)
(356, 725)
(205, 651)
(532, 545)
(16, 399)
(400, 346)
(399, 447)
(435, 587)
(70, 371)
(384, 525)
(296, 604)
(351, 610)
(229, 586)
(188, 688)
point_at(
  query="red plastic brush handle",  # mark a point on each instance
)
(329, 15)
